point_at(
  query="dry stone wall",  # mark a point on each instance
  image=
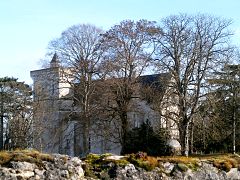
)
(64, 167)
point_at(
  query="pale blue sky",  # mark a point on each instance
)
(27, 26)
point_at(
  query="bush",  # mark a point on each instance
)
(225, 163)
(30, 156)
(145, 139)
(146, 162)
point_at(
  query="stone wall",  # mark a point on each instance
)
(65, 167)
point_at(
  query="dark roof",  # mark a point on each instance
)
(151, 85)
(155, 80)
(54, 62)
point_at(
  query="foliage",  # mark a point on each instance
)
(31, 156)
(225, 161)
(16, 113)
(179, 159)
(141, 160)
(98, 165)
(221, 161)
(218, 126)
(145, 139)
(188, 49)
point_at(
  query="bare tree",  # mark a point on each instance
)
(191, 48)
(78, 50)
(128, 48)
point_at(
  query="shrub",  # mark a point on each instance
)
(31, 156)
(147, 140)
(224, 164)
(141, 155)
(5, 157)
(141, 160)
(97, 166)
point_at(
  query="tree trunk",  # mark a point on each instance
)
(85, 140)
(1, 132)
(234, 124)
(191, 138)
(1, 123)
(234, 136)
(184, 138)
(81, 139)
(77, 139)
(124, 121)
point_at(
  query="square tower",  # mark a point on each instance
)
(52, 104)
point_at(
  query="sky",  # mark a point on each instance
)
(27, 26)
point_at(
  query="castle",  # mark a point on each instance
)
(56, 131)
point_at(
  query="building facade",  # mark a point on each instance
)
(56, 131)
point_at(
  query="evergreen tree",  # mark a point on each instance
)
(145, 139)
(15, 103)
(217, 119)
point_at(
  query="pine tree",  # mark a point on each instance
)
(227, 83)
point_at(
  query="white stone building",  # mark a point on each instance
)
(55, 131)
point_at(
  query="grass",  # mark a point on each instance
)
(146, 162)
(222, 161)
(182, 162)
(97, 164)
(31, 156)
(178, 159)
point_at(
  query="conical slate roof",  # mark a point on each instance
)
(54, 62)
